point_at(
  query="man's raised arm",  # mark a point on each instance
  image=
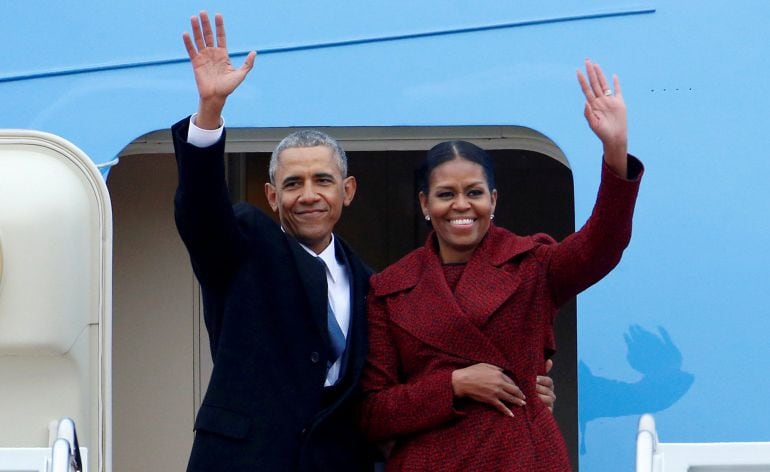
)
(203, 213)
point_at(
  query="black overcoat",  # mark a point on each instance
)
(265, 302)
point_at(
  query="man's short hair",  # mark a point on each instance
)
(309, 138)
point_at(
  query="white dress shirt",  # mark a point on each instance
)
(202, 138)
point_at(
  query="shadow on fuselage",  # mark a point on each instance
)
(662, 384)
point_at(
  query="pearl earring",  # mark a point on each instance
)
(427, 217)
(492, 216)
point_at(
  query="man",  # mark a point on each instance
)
(284, 305)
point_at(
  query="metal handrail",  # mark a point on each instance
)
(65, 453)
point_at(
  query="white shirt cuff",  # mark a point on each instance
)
(202, 138)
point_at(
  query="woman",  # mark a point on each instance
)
(459, 328)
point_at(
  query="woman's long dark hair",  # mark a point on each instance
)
(450, 150)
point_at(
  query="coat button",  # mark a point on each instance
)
(314, 357)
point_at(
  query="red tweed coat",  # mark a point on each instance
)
(501, 313)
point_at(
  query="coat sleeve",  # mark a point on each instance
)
(390, 406)
(202, 210)
(587, 255)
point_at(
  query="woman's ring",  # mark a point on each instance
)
(607, 93)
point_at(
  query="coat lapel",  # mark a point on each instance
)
(454, 323)
(485, 285)
(313, 280)
(430, 313)
(355, 351)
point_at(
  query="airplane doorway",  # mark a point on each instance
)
(384, 222)
(161, 362)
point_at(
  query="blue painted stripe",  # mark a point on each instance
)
(331, 44)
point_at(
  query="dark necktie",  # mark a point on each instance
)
(336, 336)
